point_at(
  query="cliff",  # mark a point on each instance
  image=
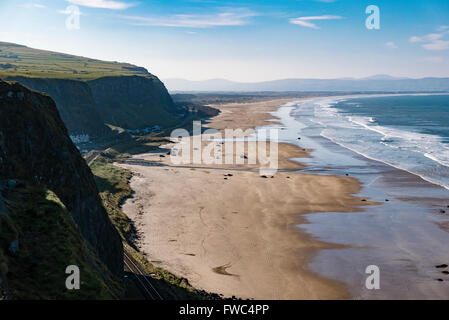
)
(38, 240)
(35, 147)
(130, 102)
(75, 103)
(134, 102)
(88, 92)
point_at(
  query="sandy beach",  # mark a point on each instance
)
(230, 231)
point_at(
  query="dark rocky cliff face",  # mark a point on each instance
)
(35, 147)
(75, 103)
(134, 102)
(88, 92)
(130, 102)
(38, 240)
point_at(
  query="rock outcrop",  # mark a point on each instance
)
(35, 147)
(130, 102)
(88, 92)
(38, 241)
(75, 104)
(134, 102)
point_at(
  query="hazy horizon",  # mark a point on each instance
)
(300, 78)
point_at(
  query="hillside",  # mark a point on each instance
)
(18, 60)
(38, 240)
(133, 102)
(35, 148)
(91, 93)
(74, 101)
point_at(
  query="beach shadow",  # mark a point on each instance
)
(222, 270)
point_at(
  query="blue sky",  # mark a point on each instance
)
(242, 40)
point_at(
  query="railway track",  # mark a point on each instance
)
(143, 280)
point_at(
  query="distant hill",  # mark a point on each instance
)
(382, 77)
(374, 83)
(91, 93)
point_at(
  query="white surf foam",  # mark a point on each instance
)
(401, 148)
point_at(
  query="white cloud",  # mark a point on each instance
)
(433, 41)
(34, 5)
(391, 45)
(427, 38)
(103, 4)
(305, 21)
(433, 59)
(66, 11)
(223, 19)
(436, 45)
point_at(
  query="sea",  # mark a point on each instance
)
(369, 138)
(409, 132)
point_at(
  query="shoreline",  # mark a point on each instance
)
(342, 98)
(317, 249)
(267, 256)
(389, 233)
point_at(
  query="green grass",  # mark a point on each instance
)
(138, 145)
(49, 241)
(16, 60)
(123, 144)
(113, 185)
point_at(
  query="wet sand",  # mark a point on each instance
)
(230, 231)
(406, 235)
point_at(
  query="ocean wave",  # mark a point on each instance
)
(394, 165)
(401, 147)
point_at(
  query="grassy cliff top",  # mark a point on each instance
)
(18, 60)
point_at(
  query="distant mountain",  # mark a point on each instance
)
(383, 77)
(89, 92)
(206, 85)
(373, 83)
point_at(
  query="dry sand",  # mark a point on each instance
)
(237, 235)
